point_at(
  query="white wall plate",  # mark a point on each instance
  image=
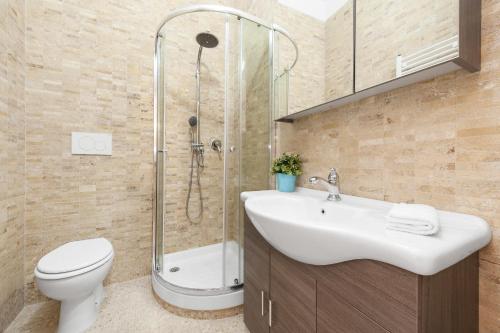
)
(84, 143)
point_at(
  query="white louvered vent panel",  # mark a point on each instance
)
(428, 57)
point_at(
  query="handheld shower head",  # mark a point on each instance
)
(192, 121)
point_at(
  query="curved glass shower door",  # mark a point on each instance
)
(213, 141)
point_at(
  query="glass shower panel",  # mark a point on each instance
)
(159, 156)
(248, 132)
(281, 78)
(281, 85)
(233, 85)
(255, 119)
(193, 175)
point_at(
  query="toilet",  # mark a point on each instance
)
(73, 274)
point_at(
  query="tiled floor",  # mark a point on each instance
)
(128, 307)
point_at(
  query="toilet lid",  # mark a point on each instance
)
(76, 255)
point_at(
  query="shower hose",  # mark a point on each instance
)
(198, 155)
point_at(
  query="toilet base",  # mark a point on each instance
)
(78, 314)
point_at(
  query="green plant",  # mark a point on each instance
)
(288, 163)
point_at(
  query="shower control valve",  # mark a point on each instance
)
(216, 145)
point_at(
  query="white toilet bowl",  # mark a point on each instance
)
(73, 274)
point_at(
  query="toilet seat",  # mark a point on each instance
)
(74, 258)
(65, 275)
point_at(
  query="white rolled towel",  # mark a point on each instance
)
(413, 218)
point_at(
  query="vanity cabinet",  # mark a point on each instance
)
(283, 295)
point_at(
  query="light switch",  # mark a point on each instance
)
(83, 143)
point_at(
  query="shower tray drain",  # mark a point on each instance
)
(174, 269)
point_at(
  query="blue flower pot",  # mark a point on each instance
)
(285, 183)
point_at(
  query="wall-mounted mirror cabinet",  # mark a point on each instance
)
(367, 47)
(396, 37)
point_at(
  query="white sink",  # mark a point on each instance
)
(306, 227)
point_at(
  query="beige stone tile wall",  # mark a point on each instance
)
(89, 68)
(339, 56)
(259, 8)
(12, 158)
(435, 142)
(385, 29)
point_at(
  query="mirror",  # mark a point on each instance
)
(323, 31)
(423, 33)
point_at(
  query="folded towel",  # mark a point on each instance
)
(413, 218)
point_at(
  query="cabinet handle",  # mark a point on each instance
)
(270, 313)
(262, 303)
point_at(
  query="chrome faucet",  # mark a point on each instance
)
(332, 184)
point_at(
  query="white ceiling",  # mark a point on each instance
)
(319, 9)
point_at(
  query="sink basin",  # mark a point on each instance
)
(306, 227)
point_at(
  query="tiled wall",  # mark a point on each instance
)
(12, 153)
(89, 68)
(435, 142)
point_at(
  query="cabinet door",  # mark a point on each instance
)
(255, 308)
(293, 295)
(337, 316)
(384, 293)
(449, 300)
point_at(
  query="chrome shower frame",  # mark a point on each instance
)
(159, 149)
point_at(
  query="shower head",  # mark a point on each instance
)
(207, 40)
(192, 121)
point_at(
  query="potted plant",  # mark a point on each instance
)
(286, 168)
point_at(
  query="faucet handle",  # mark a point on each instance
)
(333, 176)
(313, 180)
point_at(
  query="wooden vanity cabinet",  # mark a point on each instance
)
(358, 296)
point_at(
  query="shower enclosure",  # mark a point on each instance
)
(213, 139)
